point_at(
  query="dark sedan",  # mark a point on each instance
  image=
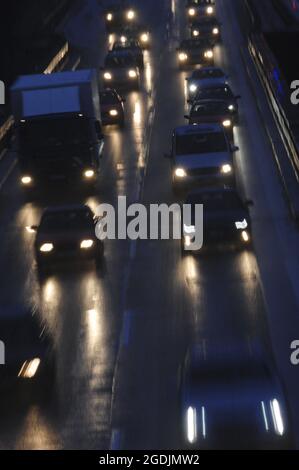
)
(67, 233)
(194, 52)
(226, 219)
(232, 399)
(218, 92)
(208, 28)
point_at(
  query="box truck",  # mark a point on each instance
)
(58, 132)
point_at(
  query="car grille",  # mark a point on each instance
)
(204, 171)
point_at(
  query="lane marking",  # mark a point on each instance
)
(116, 438)
(126, 329)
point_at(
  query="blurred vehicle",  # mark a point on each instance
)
(195, 51)
(137, 32)
(226, 219)
(207, 27)
(117, 16)
(219, 92)
(231, 398)
(201, 155)
(214, 111)
(133, 47)
(66, 233)
(29, 366)
(58, 128)
(112, 107)
(204, 78)
(120, 71)
(197, 9)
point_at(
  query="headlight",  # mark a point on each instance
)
(109, 17)
(86, 244)
(89, 174)
(132, 74)
(209, 54)
(47, 248)
(26, 180)
(182, 56)
(191, 12)
(29, 368)
(195, 33)
(123, 39)
(144, 37)
(131, 15)
(113, 112)
(191, 425)
(210, 10)
(180, 173)
(245, 236)
(226, 169)
(189, 229)
(193, 88)
(227, 123)
(216, 31)
(107, 76)
(277, 417)
(241, 225)
(231, 107)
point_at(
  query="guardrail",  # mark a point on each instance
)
(283, 125)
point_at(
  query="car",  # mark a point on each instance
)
(66, 233)
(231, 399)
(29, 356)
(132, 46)
(120, 71)
(117, 16)
(201, 155)
(137, 32)
(194, 52)
(219, 92)
(197, 9)
(226, 219)
(215, 111)
(208, 27)
(112, 107)
(204, 78)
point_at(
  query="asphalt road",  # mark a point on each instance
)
(121, 336)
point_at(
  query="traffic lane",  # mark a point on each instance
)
(275, 235)
(79, 386)
(183, 299)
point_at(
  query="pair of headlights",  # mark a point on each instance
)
(49, 247)
(131, 73)
(215, 32)
(192, 11)
(130, 15)
(182, 173)
(207, 54)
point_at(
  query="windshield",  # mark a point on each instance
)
(54, 132)
(215, 92)
(120, 61)
(210, 109)
(67, 221)
(208, 73)
(195, 44)
(194, 144)
(215, 201)
(108, 98)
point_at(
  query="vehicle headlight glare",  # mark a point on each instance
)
(109, 17)
(193, 88)
(182, 56)
(107, 76)
(195, 33)
(131, 15)
(26, 180)
(227, 123)
(209, 54)
(144, 37)
(113, 112)
(89, 174)
(180, 173)
(191, 12)
(86, 244)
(226, 169)
(242, 225)
(29, 368)
(210, 10)
(47, 248)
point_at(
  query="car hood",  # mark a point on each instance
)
(204, 160)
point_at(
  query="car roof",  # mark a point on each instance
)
(208, 101)
(198, 129)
